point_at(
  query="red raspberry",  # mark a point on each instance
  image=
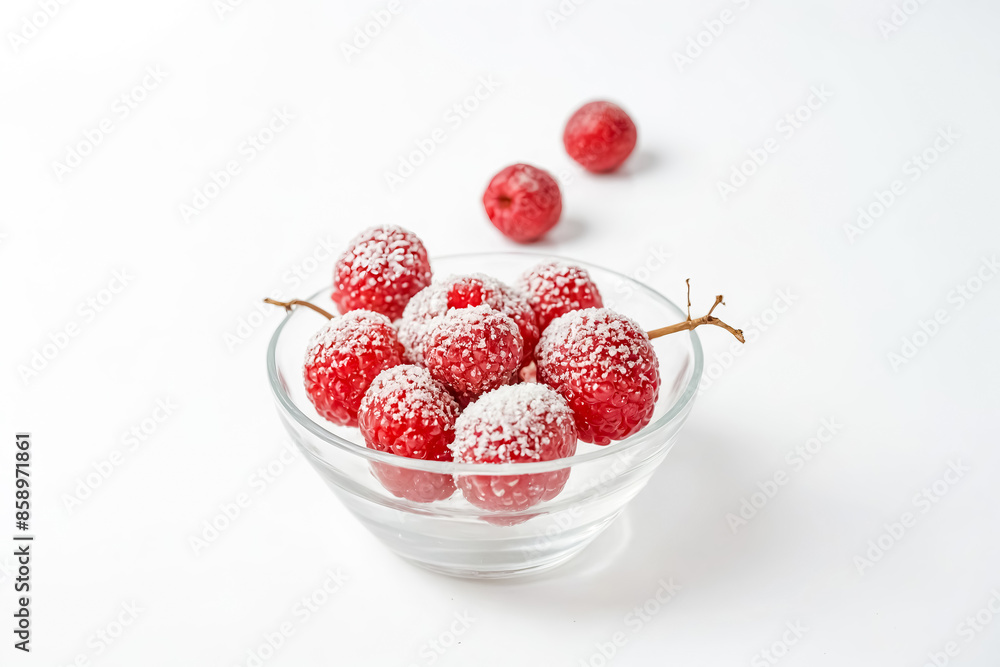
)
(461, 292)
(556, 288)
(603, 364)
(473, 350)
(409, 413)
(523, 202)
(381, 269)
(419, 486)
(342, 360)
(600, 135)
(514, 424)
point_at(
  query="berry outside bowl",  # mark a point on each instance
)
(452, 536)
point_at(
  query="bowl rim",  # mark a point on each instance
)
(676, 412)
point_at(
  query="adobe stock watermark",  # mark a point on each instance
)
(7, 569)
(366, 33)
(302, 611)
(32, 24)
(223, 8)
(656, 259)
(131, 440)
(110, 633)
(786, 128)
(900, 15)
(87, 311)
(923, 502)
(229, 511)
(562, 12)
(432, 650)
(966, 632)
(913, 170)
(956, 299)
(249, 149)
(456, 115)
(752, 330)
(795, 459)
(76, 152)
(634, 621)
(322, 254)
(772, 655)
(712, 30)
(561, 521)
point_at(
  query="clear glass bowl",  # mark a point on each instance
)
(452, 536)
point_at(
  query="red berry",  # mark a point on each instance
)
(600, 135)
(514, 424)
(473, 350)
(342, 360)
(409, 413)
(381, 269)
(523, 202)
(462, 292)
(603, 364)
(556, 288)
(419, 486)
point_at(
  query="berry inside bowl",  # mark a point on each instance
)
(431, 512)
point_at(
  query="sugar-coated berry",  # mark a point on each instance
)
(603, 364)
(556, 288)
(409, 413)
(514, 424)
(462, 292)
(523, 202)
(380, 270)
(473, 350)
(343, 358)
(600, 136)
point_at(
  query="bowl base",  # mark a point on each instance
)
(510, 573)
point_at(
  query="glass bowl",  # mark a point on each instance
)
(452, 536)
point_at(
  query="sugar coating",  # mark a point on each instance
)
(515, 423)
(472, 350)
(354, 333)
(586, 346)
(383, 254)
(380, 270)
(603, 364)
(429, 304)
(485, 326)
(555, 288)
(408, 393)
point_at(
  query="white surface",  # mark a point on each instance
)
(164, 335)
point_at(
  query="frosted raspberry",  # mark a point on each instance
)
(409, 413)
(600, 136)
(603, 364)
(473, 350)
(342, 360)
(555, 288)
(461, 292)
(523, 202)
(381, 269)
(514, 424)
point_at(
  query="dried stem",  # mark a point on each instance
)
(690, 324)
(287, 305)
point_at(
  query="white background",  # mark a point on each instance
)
(193, 284)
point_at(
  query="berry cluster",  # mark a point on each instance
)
(453, 377)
